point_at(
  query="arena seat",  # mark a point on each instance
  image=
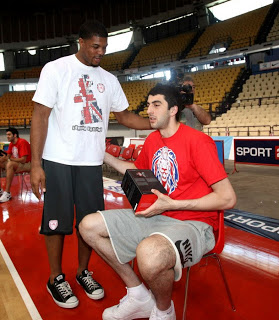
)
(115, 61)
(236, 32)
(214, 253)
(33, 72)
(208, 89)
(165, 50)
(274, 31)
(136, 92)
(262, 86)
(16, 108)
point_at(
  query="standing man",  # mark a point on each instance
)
(195, 116)
(73, 101)
(174, 232)
(18, 159)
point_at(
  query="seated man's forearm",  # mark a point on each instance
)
(119, 165)
(19, 160)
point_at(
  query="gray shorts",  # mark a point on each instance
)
(190, 239)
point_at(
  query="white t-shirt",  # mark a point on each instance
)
(82, 98)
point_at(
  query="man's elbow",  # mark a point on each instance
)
(207, 120)
(230, 201)
(122, 117)
(23, 160)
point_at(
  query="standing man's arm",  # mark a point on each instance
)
(132, 120)
(203, 116)
(38, 134)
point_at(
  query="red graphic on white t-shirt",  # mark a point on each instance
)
(90, 112)
(100, 87)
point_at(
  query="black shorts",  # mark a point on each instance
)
(69, 190)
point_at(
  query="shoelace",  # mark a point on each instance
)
(122, 300)
(90, 282)
(64, 289)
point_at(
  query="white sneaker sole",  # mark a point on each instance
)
(94, 296)
(64, 305)
(6, 200)
(137, 315)
(108, 313)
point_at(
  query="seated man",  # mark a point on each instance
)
(18, 159)
(176, 230)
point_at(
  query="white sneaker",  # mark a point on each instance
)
(169, 316)
(6, 196)
(129, 308)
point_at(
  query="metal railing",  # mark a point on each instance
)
(18, 122)
(242, 129)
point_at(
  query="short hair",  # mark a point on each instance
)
(92, 28)
(13, 131)
(187, 78)
(172, 96)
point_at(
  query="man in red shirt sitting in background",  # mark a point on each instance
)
(17, 159)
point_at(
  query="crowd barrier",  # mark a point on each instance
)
(257, 151)
(229, 152)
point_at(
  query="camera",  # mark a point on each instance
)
(187, 95)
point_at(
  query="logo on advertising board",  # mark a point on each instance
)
(257, 151)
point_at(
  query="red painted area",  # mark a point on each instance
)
(251, 264)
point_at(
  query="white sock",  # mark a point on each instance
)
(162, 313)
(139, 292)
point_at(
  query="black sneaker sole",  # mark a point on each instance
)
(65, 305)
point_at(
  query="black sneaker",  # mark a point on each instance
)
(62, 293)
(91, 287)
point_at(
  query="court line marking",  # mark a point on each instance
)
(20, 286)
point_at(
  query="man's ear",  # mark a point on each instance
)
(174, 110)
(81, 41)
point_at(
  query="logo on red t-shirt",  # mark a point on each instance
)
(165, 168)
(15, 152)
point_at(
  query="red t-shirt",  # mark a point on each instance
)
(19, 149)
(187, 165)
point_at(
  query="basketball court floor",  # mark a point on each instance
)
(251, 264)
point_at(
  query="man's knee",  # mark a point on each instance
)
(91, 225)
(155, 254)
(3, 164)
(11, 166)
